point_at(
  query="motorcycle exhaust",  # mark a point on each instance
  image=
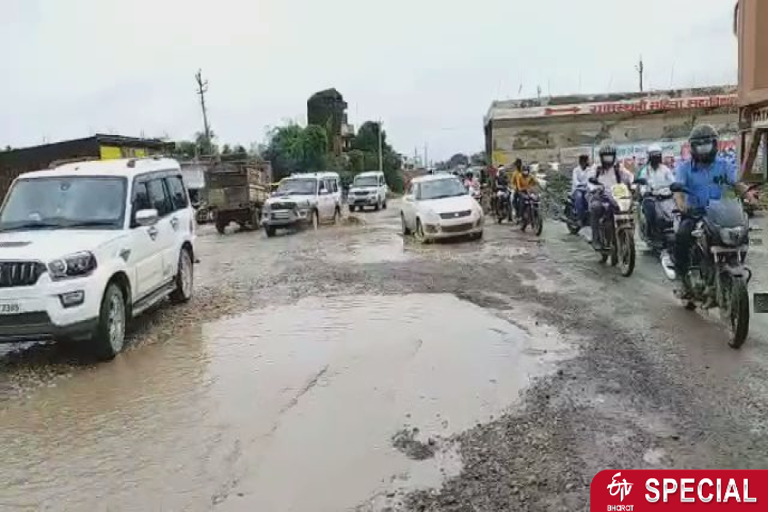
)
(668, 266)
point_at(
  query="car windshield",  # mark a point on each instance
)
(66, 202)
(366, 181)
(438, 189)
(297, 186)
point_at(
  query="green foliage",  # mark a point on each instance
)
(457, 160)
(292, 148)
(205, 146)
(478, 158)
(356, 161)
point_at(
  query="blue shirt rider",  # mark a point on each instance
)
(701, 176)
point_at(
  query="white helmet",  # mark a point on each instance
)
(654, 149)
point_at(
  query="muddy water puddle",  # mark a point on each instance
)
(326, 404)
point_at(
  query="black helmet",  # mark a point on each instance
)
(607, 154)
(704, 141)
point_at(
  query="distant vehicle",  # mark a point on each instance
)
(439, 206)
(368, 189)
(303, 199)
(87, 246)
(237, 192)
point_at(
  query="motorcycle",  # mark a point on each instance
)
(717, 274)
(530, 212)
(569, 216)
(661, 237)
(476, 193)
(616, 228)
(503, 205)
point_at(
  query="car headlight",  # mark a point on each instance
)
(74, 265)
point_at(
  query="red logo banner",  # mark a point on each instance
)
(619, 490)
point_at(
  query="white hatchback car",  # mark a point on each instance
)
(86, 246)
(438, 206)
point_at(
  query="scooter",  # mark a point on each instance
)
(660, 237)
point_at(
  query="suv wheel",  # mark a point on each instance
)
(184, 279)
(337, 215)
(384, 204)
(270, 230)
(378, 205)
(109, 338)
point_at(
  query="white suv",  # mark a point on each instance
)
(368, 189)
(302, 199)
(86, 246)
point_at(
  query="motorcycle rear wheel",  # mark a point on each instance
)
(739, 312)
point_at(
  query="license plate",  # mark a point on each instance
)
(755, 241)
(761, 302)
(9, 308)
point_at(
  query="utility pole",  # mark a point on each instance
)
(426, 155)
(640, 69)
(202, 88)
(381, 154)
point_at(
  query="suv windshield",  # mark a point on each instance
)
(438, 189)
(366, 181)
(66, 202)
(301, 186)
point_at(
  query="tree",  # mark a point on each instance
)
(8, 148)
(478, 158)
(314, 145)
(185, 149)
(356, 161)
(226, 150)
(458, 159)
(205, 145)
(367, 138)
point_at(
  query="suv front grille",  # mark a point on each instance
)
(282, 206)
(20, 273)
(455, 215)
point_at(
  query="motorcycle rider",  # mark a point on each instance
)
(608, 174)
(524, 182)
(658, 176)
(501, 184)
(701, 176)
(579, 185)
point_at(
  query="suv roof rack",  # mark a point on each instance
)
(63, 161)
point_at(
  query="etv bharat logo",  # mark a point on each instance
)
(619, 488)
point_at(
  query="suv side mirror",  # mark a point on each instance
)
(147, 217)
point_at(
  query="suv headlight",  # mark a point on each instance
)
(75, 265)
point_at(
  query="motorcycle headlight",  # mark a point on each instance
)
(74, 265)
(733, 236)
(624, 204)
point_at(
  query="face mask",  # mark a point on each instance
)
(607, 160)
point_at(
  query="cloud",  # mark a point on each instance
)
(427, 68)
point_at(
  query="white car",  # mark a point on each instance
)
(438, 206)
(86, 246)
(368, 189)
(302, 199)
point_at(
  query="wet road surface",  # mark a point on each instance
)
(348, 369)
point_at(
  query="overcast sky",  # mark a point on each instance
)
(429, 69)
